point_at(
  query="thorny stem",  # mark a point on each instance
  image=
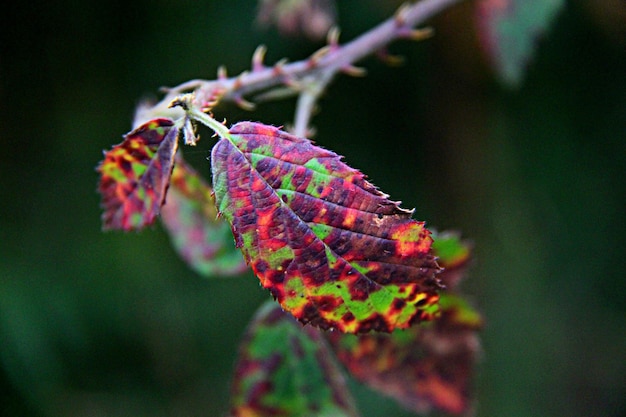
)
(306, 105)
(308, 77)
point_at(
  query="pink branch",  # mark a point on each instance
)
(316, 71)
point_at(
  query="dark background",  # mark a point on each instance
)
(111, 324)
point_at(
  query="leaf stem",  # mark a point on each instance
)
(306, 104)
(217, 127)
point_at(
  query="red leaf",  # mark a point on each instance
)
(135, 175)
(331, 248)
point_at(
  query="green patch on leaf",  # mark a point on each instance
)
(460, 312)
(453, 255)
(450, 250)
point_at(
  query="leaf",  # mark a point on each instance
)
(135, 175)
(425, 367)
(509, 30)
(429, 366)
(287, 370)
(330, 247)
(453, 255)
(312, 18)
(190, 218)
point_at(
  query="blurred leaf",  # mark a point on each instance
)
(453, 255)
(424, 367)
(332, 249)
(285, 369)
(312, 18)
(135, 175)
(509, 30)
(190, 217)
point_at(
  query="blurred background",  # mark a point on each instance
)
(112, 324)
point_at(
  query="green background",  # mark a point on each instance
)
(112, 324)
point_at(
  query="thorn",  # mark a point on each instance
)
(213, 99)
(332, 39)
(222, 74)
(278, 67)
(389, 59)
(184, 101)
(278, 71)
(353, 71)
(177, 102)
(258, 57)
(317, 55)
(238, 82)
(400, 15)
(243, 104)
(420, 34)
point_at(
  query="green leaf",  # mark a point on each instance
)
(509, 30)
(135, 174)
(332, 249)
(425, 367)
(190, 218)
(287, 370)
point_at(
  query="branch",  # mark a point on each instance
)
(308, 77)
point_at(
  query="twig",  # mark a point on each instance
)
(308, 77)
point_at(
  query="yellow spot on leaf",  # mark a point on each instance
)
(348, 222)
